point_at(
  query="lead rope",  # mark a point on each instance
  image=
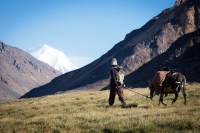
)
(138, 93)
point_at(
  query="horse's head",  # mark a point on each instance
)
(149, 81)
(151, 88)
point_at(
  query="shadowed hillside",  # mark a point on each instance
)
(139, 47)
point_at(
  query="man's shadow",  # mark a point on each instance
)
(132, 105)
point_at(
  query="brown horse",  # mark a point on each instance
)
(173, 83)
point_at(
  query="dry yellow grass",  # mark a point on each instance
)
(82, 112)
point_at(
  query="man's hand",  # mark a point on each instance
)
(124, 86)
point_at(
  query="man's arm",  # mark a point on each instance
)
(113, 76)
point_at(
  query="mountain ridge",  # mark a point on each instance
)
(20, 72)
(138, 47)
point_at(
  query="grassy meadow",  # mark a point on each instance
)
(88, 112)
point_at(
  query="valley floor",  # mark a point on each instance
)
(81, 112)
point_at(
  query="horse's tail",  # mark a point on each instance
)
(184, 82)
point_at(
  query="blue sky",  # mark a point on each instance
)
(82, 29)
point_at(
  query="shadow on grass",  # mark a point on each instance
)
(106, 130)
(133, 105)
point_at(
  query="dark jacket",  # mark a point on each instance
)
(113, 72)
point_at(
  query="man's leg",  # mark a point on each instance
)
(120, 93)
(112, 95)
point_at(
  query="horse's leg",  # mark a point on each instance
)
(152, 91)
(161, 96)
(160, 99)
(184, 93)
(175, 90)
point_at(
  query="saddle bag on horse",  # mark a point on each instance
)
(159, 78)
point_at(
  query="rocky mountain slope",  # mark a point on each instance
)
(20, 72)
(139, 47)
(183, 55)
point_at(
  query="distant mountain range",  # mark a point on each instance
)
(159, 42)
(20, 72)
(55, 58)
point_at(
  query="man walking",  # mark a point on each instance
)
(115, 87)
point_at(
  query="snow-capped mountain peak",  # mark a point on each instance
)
(55, 58)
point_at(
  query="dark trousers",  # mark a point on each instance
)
(113, 91)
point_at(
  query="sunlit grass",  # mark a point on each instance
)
(81, 111)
